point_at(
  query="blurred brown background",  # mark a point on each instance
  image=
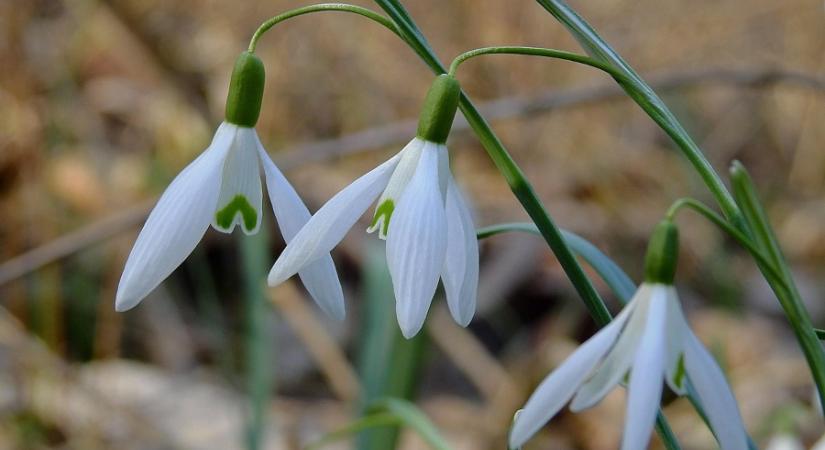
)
(102, 103)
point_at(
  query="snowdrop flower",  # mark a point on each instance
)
(421, 214)
(222, 187)
(648, 341)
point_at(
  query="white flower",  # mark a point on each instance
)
(648, 341)
(428, 228)
(222, 187)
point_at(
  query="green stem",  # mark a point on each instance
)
(524, 192)
(538, 51)
(740, 237)
(343, 7)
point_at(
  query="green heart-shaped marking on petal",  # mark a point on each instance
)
(238, 205)
(381, 220)
(679, 376)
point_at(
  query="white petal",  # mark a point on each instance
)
(714, 394)
(644, 392)
(319, 277)
(401, 176)
(444, 174)
(676, 329)
(176, 224)
(620, 359)
(240, 199)
(329, 225)
(460, 273)
(417, 244)
(560, 385)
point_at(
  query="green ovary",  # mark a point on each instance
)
(238, 204)
(382, 215)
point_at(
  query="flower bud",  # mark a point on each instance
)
(439, 109)
(246, 88)
(662, 253)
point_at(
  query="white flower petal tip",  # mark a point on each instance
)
(651, 341)
(176, 224)
(320, 277)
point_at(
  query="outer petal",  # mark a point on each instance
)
(460, 273)
(560, 385)
(620, 359)
(319, 277)
(645, 390)
(395, 187)
(329, 225)
(417, 244)
(676, 331)
(240, 200)
(715, 394)
(176, 224)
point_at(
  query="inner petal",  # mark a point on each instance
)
(618, 361)
(395, 187)
(675, 368)
(239, 203)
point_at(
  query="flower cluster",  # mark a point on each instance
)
(421, 213)
(430, 237)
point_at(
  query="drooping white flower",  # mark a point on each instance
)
(649, 342)
(427, 226)
(421, 214)
(222, 187)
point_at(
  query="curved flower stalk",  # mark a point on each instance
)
(421, 214)
(648, 341)
(222, 187)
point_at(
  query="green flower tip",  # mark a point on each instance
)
(439, 109)
(246, 89)
(238, 205)
(381, 219)
(662, 253)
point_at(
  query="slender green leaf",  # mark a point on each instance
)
(788, 295)
(255, 259)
